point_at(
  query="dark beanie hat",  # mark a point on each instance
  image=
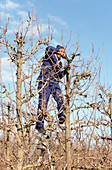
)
(59, 46)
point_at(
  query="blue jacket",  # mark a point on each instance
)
(51, 66)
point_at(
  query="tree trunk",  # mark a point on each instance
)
(67, 142)
(19, 105)
(8, 138)
(110, 103)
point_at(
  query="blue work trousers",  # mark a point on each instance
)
(44, 94)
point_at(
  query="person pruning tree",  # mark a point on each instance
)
(51, 72)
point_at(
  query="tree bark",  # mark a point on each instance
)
(8, 138)
(110, 103)
(19, 104)
(67, 142)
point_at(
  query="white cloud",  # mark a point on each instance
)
(23, 14)
(10, 9)
(44, 27)
(58, 20)
(6, 69)
(30, 3)
(5, 62)
(6, 76)
(12, 5)
(13, 25)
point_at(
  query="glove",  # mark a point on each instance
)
(64, 55)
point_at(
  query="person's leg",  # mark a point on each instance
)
(56, 92)
(44, 95)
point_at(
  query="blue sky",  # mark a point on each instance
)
(91, 19)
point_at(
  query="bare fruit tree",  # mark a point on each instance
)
(80, 102)
(105, 108)
(22, 52)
